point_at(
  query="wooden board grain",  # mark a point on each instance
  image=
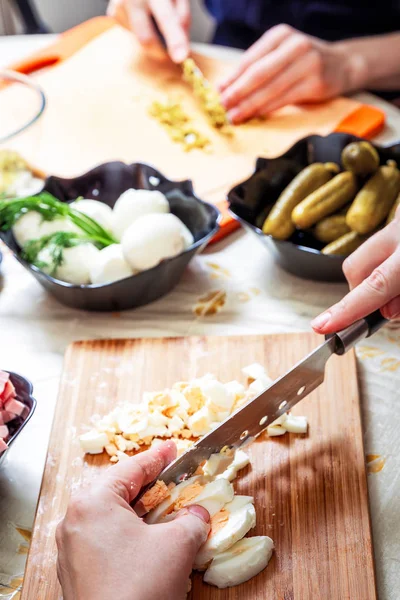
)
(310, 491)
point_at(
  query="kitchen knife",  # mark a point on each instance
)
(250, 420)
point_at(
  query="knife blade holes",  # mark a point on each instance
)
(301, 390)
(263, 420)
(282, 404)
(244, 435)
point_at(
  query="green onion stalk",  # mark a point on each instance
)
(50, 208)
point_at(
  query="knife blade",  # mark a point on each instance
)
(249, 421)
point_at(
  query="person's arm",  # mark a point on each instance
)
(374, 61)
(286, 66)
(172, 18)
(373, 273)
(106, 551)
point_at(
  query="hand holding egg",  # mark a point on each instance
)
(105, 550)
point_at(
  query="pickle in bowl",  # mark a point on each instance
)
(325, 201)
(360, 158)
(279, 221)
(374, 201)
(345, 245)
(331, 228)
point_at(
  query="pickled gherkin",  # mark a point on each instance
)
(279, 221)
(325, 201)
(331, 228)
(374, 201)
(360, 158)
(345, 245)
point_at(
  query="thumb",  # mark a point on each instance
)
(190, 527)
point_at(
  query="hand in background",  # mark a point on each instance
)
(284, 67)
(106, 551)
(172, 18)
(373, 273)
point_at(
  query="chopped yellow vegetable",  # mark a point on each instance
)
(207, 95)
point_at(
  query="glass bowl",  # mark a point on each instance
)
(22, 103)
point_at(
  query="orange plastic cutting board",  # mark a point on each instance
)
(99, 89)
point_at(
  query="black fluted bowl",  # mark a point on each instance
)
(106, 183)
(300, 255)
(24, 390)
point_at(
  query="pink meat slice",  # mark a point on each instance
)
(3, 445)
(8, 393)
(6, 416)
(14, 406)
(4, 377)
(4, 432)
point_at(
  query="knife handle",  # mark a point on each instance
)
(360, 330)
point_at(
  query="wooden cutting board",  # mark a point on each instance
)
(310, 491)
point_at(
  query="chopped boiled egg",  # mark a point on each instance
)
(254, 371)
(200, 422)
(180, 494)
(276, 428)
(186, 411)
(217, 464)
(109, 265)
(211, 495)
(241, 562)
(151, 239)
(228, 526)
(154, 496)
(295, 424)
(260, 384)
(236, 391)
(240, 461)
(219, 400)
(215, 495)
(133, 204)
(93, 442)
(98, 211)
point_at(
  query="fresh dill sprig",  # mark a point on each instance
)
(55, 244)
(50, 208)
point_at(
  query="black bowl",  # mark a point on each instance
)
(106, 183)
(300, 254)
(24, 390)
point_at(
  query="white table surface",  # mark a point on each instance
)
(35, 330)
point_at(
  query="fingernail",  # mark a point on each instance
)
(179, 54)
(200, 512)
(234, 116)
(321, 321)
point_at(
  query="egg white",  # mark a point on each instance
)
(133, 204)
(151, 239)
(109, 265)
(242, 518)
(244, 560)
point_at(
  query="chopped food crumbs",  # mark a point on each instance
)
(177, 123)
(208, 96)
(210, 304)
(185, 412)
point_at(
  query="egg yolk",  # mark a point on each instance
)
(155, 495)
(218, 521)
(186, 497)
